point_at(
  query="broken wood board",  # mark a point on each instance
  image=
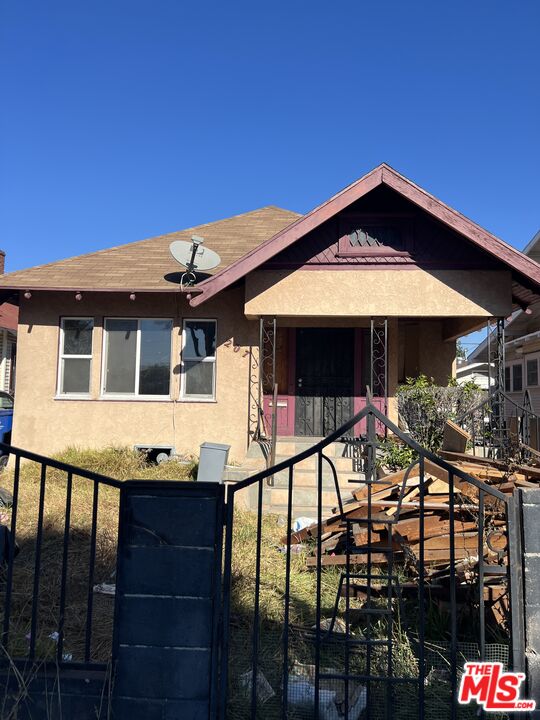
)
(455, 438)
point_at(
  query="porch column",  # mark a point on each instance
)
(267, 380)
(379, 359)
(496, 358)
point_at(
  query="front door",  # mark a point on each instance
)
(324, 379)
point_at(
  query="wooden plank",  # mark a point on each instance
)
(341, 560)
(434, 556)
(434, 526)
(527, 470)
(394, 480)
(481, 471)
(406, 498)
(455, 438)
(465, 457)
(468, 540)
(361, 494)
(437, 487)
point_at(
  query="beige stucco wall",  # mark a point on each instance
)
(422, 349)
(415, 292)
(44, 424)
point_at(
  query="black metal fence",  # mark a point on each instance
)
(374, 632)
(501, 428)
(59, 551)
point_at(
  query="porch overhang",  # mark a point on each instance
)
(473, 296)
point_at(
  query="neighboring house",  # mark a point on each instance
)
(9, 315)
(476, 372)
(119, 353)
(522, 347)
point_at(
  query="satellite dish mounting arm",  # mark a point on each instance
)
(194, 248)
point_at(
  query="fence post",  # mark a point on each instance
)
(530, 515)
(167, 600)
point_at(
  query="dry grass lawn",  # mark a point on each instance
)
(119, 463)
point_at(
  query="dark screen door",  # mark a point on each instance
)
(324, 379)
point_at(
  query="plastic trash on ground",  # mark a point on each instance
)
(264, 689)
(301, 694)
(302, 522)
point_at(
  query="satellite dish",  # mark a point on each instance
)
(193, 256)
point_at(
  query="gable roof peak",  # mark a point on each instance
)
(381, 174)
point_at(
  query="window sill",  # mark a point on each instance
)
(72, 397)
(196, 400)
(135, 398)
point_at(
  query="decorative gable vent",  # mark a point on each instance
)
(369, 235)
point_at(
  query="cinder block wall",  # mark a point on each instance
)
(168, 590)
(531, 566)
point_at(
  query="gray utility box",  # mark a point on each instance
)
(212, 461)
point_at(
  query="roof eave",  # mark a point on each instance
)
(383, 174)
(81, 288)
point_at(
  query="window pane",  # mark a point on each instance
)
(155, 369)
(532, 372)
(200, 339)
(507, 386)
(77, 336)
(6, 402)
(121, 356)
(517, 377)
(76, 375)
(199, 378)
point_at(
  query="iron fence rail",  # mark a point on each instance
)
(502, 428)
(60, 608)
(349, 675)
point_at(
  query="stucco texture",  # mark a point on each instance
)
(44, 424)
(394, 293)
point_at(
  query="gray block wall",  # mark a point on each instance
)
(530, 508)
(167, 600)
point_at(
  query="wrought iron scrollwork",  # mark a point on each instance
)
(262, 381)
(379, 358)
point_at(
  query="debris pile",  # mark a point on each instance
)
(407, 522)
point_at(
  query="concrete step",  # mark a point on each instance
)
(293, 446)
(341, 464)
(305, 477)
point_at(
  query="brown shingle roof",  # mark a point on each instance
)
(143, 265)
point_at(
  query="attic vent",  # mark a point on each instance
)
(376, 236)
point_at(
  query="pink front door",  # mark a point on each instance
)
(286, 404)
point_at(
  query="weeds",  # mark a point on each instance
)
(119, 463)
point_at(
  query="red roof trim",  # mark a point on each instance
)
(383, 174)
(9, 316)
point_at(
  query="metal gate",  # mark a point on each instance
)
(369, 630)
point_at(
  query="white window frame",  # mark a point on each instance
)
(197, 398)
(526, 359)
(62, 356)
(104, 351)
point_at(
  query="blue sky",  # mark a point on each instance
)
(125, 119)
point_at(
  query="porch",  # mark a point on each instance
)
(316, 372)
